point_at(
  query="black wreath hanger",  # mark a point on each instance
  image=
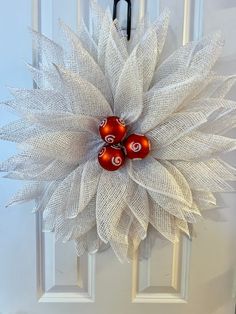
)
(129, 9)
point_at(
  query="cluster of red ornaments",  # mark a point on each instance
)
(112, 155)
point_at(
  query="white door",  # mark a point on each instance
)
(39, 276)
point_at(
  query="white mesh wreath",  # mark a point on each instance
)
(178, 104)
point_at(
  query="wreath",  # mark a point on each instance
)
(114, 141)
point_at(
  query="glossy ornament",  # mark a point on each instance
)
(137, 146)
(111, 157)
(112, 130)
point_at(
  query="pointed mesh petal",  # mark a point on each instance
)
(170, 205)
(19, 131)
(70, 147)
(160, 103)
(139, 32)
(63, 121)
(150, 47)
(219, 86)
(64, 200)
(119, 236)
(114, 60)
(47, 48)
(188, 67)
(111, 193)
(128, 101)
(97, 20)
(222, 169)
(221, 125)
(163, 222)
(150, 174)
(201, 178)
(204, 199)
(37, 99)
(137, 201)
(175, 127)
(78, 60)
(196, 56)
(18, 161)
(41, 203)
(44, 171)
(28, 192)
(84, 97)
(89, 242)
(197, 146)
(209, 105)
(180, 180)
(182, 225)
(103, 39)
(69, 229)
(82, 36)
(147, 53)
(89, 182)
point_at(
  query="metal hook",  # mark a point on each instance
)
(128, 15)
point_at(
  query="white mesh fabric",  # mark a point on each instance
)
(150, 174)
(128, 100)
(78, 60)
(200, 177)
(70, 147)
(178, 102)
(175, 127)
(28, 192)
(197, 146)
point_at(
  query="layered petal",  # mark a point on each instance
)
(137, 202)
(175, 127)
(104, 33)
(64, 121)
(70, 147)
(36, 170)
(163, 222)
(89, 182)
(150, 47)
(115, 59)
(177, 79)
(196, 146)
(111, 192)
(67, 229)
(153, 176)
(128, 101)
(204, 199)
(29, 192)
(19, 131)
(218, 87)
(64, 200)
(82, 96)
(79, 60)
(52, 52)
(201, 178)
(88, 243)
(195, 56)
(37, 99)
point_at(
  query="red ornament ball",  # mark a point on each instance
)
(111, 157)
(112, 130)
(137, 146)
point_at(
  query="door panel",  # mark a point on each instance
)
(39, 275)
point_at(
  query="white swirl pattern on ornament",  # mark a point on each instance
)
(110, 138)
(103, 123)
(121, 122)
(115, 147)
(136, 147)
(102, 152)
(116, 161)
